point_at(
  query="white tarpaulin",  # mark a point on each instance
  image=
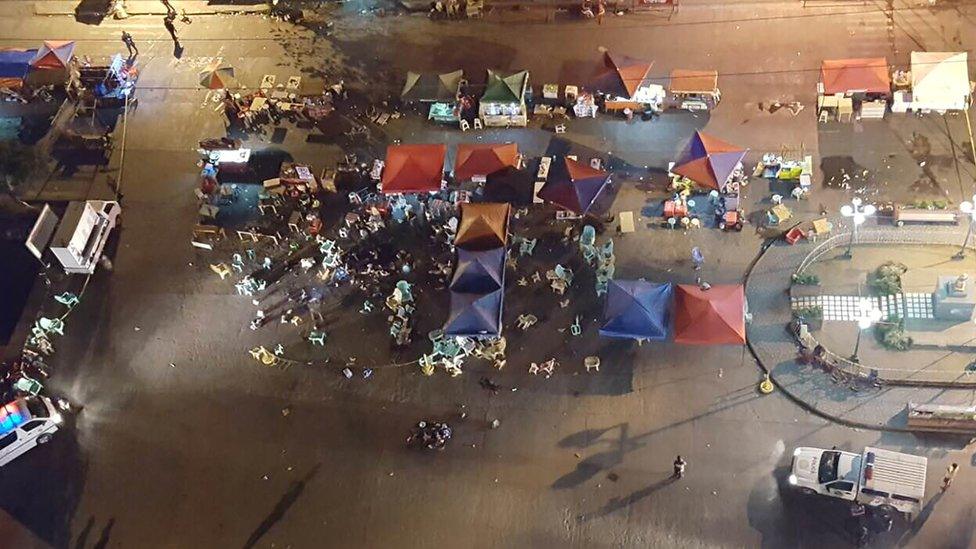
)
(940, 80)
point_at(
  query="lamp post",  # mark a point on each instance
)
(969, 209)
(859, 214)
(867, 315)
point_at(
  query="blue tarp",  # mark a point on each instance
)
(637, 309)
(479, 272)
(475, 315)
(15, 63)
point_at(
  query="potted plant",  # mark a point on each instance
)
(811, 316)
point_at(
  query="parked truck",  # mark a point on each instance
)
(876, 477)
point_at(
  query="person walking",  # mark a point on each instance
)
(130, 45)
(697, 258)
(679, 467)
(949, 475)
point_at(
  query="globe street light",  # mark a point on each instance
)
(858, 214)
(867, 315)
(969, 209)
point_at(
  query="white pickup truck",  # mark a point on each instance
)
(876, 477)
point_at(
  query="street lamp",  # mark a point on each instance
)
(867, 315)
(858, 214)
(969, 209)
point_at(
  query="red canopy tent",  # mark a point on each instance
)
(54, 54)
(710, 317)
(483, 159)
(413, 168)
(869, 75)
(708, 161)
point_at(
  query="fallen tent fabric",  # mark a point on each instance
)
(483, 159)
(940, 80)
(432, 87)
(54, 54)
(512, 186)
(622, 76)
(637, 309)
(475, 315)
(867, 75)
(574, 186)
(693, 81)
(413, 168)
(710, 317)
(483, 226)
(708, 161)
(479, 272)
(505, 89)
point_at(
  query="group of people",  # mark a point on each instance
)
(430, 435)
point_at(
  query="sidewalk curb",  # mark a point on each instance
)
(792, 397)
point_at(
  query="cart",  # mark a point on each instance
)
(731, 221)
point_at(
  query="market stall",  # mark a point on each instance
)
(625, 84)
(83, 233)
(107, 85)
(52, 63)
(939, 82)
(413, 168)
(503, 103)
(432, 87)
(851, 88)
(694, 90)
(476, 161)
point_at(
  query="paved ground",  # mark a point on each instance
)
(182, 440)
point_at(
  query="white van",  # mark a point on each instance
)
(875, 477)
(25, 423)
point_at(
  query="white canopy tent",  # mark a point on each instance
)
(940, 80)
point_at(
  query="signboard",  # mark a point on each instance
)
(41, 233)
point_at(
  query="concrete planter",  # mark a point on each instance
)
(805, 290)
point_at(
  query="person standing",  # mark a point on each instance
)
(130, 45)
(949, 475)
(171, 27)
(697, 258)
(679, 467)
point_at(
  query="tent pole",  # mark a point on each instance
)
(969, 127)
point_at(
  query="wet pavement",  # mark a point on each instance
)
(182, 438)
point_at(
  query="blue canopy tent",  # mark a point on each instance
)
(14, 66)
(479, 272)
(475, 315)
(637, 309)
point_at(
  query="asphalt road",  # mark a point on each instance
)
(182, 441)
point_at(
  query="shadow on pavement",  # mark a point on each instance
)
(43, 488)
(616, 504)
(282, 507)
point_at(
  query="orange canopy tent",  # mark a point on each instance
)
(413, 168)
(623, 75)
(54, 54)
(483, 159)
(710, 317)
(484, 225)
(855, 75)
